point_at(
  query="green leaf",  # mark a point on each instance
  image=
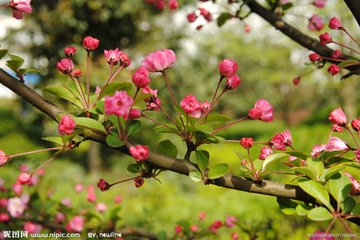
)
(15, 62)
(114, 120)
(54, 139)
(298, 155)
(3, 52)
(167, 148)
(276, 157)
(31, 70)
(329, 172)
(202, 159)
(100, 106)
(340, 187)
(115, 86)
(356, 209)
(218, 170)
(286, 205)
(217, 117)
(302, 209)
(89, 123)
(316, 166)
(196, 176)
(60, 91)
(162, 235)
(134, 127)
(113, 141)
(221, 20)
(316, 190)
(348, 204)
(319, 214)
(304, 170)
(133, 168)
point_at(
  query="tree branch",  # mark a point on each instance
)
(354, 7)
(175, 165)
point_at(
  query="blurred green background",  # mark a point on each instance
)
(268, 62)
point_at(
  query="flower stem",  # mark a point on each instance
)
(228, 125)
(160, 123)
(57, 154)
(122, 181)
(112, 76)
(216, 90)
(88, 78)
(353, 137)
(352, 38)
(344, 46)
(34, 151)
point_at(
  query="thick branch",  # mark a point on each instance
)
(354, 7)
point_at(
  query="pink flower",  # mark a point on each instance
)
(70, 51)
(355, 124)
(316, 23)
(325, 38)
(247, 28)
(4, 217)
(66, 202)
(335, 144)
(159, 61)
(139, 181)
(117, 199)
(59, 217)
(202, 216)
(20, 7)
(139, 152)
(103, 185)
(265, 152)
(31, 227)
(336, 54)
(336, 128)
(355, 184)
(281, 140)
(17, 188)
(231, 221)
(191, 106)
(317, 149)
(90, 43)
(101, 207)
(79, 187)
(191, 17)
(206, 14)
(76, 224)
(334, 69)
(319, 3)
(76, 73)
(335, 24)
(153, 104)
(178, 229)
(141, 77)
(113, 56)
(91, 196)
(228, 68)
(119, 104)
(194, 228)
(16, 205)
(173, 4)
(319, 235)
(296, 80)
(215, 226)
(246, 142)
(262, 110)
(23, 178)
(234, 236)
(65, 65)
(3, 158)
(233, 82)
(125, 60)
(314, 57)
(337, 116)
(66, 125)
(135, 113)
(3, 202)
(148, 90)
(205, 107)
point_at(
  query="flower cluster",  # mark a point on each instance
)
(161, 4)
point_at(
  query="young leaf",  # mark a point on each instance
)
(15, 62)
(218, 170)
(113, 141)
(276, 157)
(348, 204)
(221, 20)
(3, 52)
(134, 127)
(286, 205)
(167, 148)
(340, 187)
(302, 210)
(90, 124)
(60, 91)
(202, 159)
(316, 190)
(316, 166)
(304, 170)
(133, 168)
(329, 172)
(196, 176)
(54, 139)
(319, 214)
(298, 155)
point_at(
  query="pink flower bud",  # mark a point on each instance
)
(70, 51)
(247, 28)
(113, 56)
(262, 110)
(296, 81)
(265, 152)
(141, 77)
(101, 207)
(20, 7)
(319, 3)
(336, 54)
(125, 60)
(90, 43)
(246, 142)
(228, 68)
(31, 227)
(23, 178)
(191, 17)
(59, 217)
(79, 187)
(215, 226)
(231, 221)
(317, 149)
(281, 140)
(325, 38)
(119, 104)
(103, 185)
(337, 116)
(202, 216)
(91, 196)
(355, 124)
(316, 23)
(191, 106)
(335, 144)
(139, 152)
(65, 65)
(3, 158)
(153, 104)
(66, 125)
(234, 236)
(17, 188)
(205, 107)
(314, 57)
(333, 69)
(117, 199)
(335, 24)
(135, 113)
(76, 73)
(178, 229)
(206, 14)
(159, 61)
(75, 224)
(354, 184)
(233, 82)
(139, 181)
(4, 217)
(194, 228)
(173, 4)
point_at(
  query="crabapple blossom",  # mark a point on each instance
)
(314, 57)
(141, 77)
(76, 73)
(118, 199)
(148, 90)
(233, 82)
(191, 106)
(103, 185)
(265, 152)
(119, 104)
(231, 221)
(319, 3)
(79, 187)
(173, 4)
(234, 236)
(23, 178)
(281, 140)
(202, 216)
(194, 228)
(113, 56)
(75, 224)
(336, 54)
(66, 125)
(191, 17)
(246, 142)
(336, 128)
(325, 38)
(17, 188)
(178, 229)
(317, 149)
(3, 158)
(354, 184)
(90, 43)
(316, 23)
(206, 14)
(228, 68)
(31, 227)
(337, 116)
(59, 217)
(70, 51)
(335, 24)
(20, 7)
(65, 65)
(135, 113)
(139, 152)
(101, 207)
(333, 69)
(66, 202)
(355, 124)
(215, 226)
(125, 60)
(159, 61)
(296, 80)
(16, 205)
(139, 181)
(4, 217)
(262, 110)
(205, 107)
(91, 196)
(153, 104)
(335, 144)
